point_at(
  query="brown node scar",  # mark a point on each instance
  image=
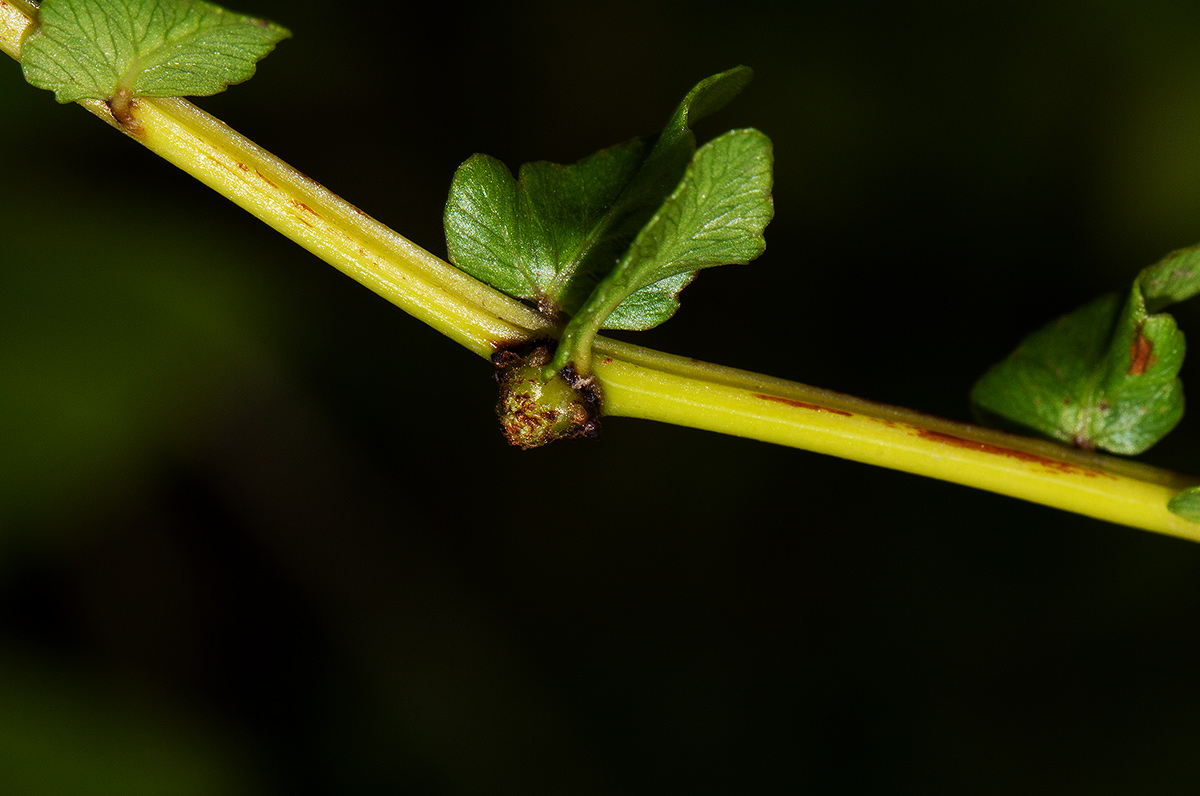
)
(121, 106)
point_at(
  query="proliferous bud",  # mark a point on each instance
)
(535, 411)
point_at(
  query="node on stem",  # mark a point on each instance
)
(536, 410)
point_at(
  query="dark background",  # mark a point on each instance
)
(259, 533)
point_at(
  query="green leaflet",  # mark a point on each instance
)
(117, 49)
(1104, 376)
(1172, 279)
(716, 216)
(553, 233)
(1186, 504)
(530, 237)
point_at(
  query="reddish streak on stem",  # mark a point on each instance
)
(261, 176)
(983, 447)
(264, 179)
(801, 405)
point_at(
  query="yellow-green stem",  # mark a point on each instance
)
(636, 382)
(648, 384)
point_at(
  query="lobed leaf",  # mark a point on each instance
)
(716, 216)
(106, 49)
(529, 236)
(553, 232)
(1105, 376)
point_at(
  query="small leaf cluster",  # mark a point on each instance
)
(1105, 376)
(116, 50)
(609, 241)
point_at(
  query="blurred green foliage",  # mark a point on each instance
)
(117, 336)
(247, 544)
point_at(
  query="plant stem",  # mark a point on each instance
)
(15, 18)
(468, 311)
(649, 384)
(636, 382)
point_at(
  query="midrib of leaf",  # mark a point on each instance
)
(139, 64)
(1088, 406)
(564, 275)
(662, 150)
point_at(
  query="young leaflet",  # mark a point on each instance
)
(608, 242)
(117, 50)
(1106, 375)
